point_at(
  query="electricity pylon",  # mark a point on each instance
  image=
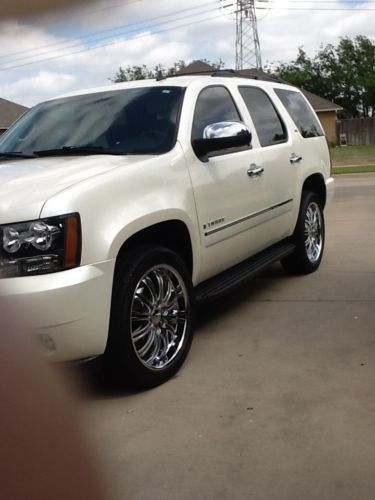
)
(247, 39)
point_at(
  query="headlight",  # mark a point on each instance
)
(41, 246)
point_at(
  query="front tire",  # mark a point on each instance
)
(308, 237)
(151, 325)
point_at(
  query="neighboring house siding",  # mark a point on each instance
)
(328, 121)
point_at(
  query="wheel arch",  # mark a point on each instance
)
(172, 234)
(316, 184)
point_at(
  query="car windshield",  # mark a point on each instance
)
(130, 121)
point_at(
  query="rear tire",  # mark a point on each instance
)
(151, 325)
(308, 237)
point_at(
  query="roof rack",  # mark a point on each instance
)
(246, 74)
(232, 73)
(224, 72)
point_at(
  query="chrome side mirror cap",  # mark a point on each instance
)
(222, 137)
(223, 130)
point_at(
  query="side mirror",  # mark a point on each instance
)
(220, 137)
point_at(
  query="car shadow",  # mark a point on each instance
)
(228, 303)
(89, 375)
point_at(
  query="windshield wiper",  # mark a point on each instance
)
(78, 150)
(17, 154)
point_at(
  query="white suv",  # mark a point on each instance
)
(122, 206)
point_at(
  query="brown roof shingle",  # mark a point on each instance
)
(198, 67)
(9, 112)
(319, 103)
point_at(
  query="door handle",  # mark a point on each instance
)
(295, 158)
(255, 171)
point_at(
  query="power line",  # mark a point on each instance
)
(291, 9)
(68, 43)
(115, 42)
(311, 3)
(338, 9)
(127, 32)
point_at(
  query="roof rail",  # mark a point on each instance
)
(246, 74)
(224, 72)
(232, 73)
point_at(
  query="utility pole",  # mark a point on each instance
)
(247, 39)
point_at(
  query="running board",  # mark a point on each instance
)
(236, 275)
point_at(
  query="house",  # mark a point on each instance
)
(326, 110)
(9, 112)
(196, 67)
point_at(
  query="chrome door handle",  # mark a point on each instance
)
(295, 158)
(255, 171)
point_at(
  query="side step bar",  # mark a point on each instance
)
(236, 275)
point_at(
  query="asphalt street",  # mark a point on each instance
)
(276, 399)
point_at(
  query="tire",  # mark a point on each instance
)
(151, 326)
(309, 237)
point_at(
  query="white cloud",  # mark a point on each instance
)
(40, 86)
(281, 32)
(16, 36)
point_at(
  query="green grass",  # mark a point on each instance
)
(353, 155)
(353, 169)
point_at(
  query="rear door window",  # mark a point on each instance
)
(300, 112)
(268, 125)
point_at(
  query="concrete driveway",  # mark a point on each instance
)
(277, 397)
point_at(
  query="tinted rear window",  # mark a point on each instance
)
(300, 113)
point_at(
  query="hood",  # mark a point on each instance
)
(26, 184)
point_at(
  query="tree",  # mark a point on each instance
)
(344, 74)
(135, 72)
(132, 73)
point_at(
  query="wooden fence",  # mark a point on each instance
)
(356, 131)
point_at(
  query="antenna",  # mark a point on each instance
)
(248, 53)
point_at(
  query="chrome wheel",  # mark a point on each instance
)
(159, 316)
(313, 232)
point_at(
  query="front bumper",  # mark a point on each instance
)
(68, 312)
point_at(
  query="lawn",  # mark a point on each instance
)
(353, 155)
(360, 169)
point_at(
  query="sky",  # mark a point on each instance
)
(48, 55)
